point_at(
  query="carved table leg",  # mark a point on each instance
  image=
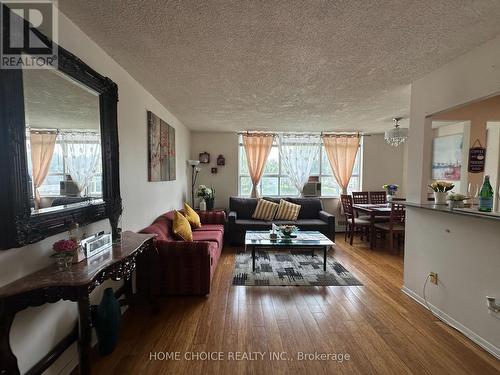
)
(127, 285)
(84, 333)
(8, 361)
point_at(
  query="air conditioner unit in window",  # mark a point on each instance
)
(312, 189)
(69, 189)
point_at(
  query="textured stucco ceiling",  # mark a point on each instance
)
(284, 65)
(54, 101)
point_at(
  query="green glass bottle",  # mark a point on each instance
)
(486, 196)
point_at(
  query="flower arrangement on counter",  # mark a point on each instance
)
(441, 186)
(456, 200)
(391, 188)
(455, 197)
(441, 189)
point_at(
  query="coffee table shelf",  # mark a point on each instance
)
(309, 240)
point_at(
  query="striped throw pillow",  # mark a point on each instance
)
(265, 210)
(287, 211)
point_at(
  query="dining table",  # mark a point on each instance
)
(373, 211)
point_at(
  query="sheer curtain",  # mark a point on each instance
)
(341, 150)
(298, 153)
(82, 153)
(42, 145)
(257, 148)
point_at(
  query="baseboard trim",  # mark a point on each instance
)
(486, 345)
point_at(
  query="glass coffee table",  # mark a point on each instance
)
(308, 240)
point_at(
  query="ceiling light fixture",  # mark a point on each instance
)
(396, 135)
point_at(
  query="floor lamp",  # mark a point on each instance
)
(194, 174)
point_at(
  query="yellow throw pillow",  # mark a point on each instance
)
(287, 211)
(181, 227)
(192, 216)
(265, 210)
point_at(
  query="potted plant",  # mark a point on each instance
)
(64, 252)
(288, 230)
(208, 195)
(456, 200)
(441, 189)
(391, 190)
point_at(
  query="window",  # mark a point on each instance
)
(275, 183)
(58, 170)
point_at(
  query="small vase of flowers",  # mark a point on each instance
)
(391, 190)
(207, 194)
(441, 189)
(64, 252)
(456, 200)
(287, 231)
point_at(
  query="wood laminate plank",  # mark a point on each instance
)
(383, 330)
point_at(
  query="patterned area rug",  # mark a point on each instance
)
(283, 268)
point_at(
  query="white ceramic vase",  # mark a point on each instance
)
(203, 205)
(456, 204)
(440, 197)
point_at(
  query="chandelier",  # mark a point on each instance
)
(396, 135)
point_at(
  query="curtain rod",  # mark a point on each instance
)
(303, 133)
(64, 130)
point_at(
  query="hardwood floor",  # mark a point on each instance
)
(380, 328)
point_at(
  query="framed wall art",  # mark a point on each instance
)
(204, 157)
(161, 150)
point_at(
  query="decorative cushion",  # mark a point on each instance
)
(387, 226)
(359, 221)
(272, 199)
(181, 227)
(287, 211)
(192, 216)
(265, 210)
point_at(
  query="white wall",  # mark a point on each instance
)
(463, 258)
(470, 77)
(381, 164)
(36, 331)
(225, 181)
(464, 253)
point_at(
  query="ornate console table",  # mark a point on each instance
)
(50, 285)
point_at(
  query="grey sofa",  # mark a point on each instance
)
(311, 217)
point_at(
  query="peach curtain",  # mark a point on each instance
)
(341, 150)
(257, 149)
(42, 148)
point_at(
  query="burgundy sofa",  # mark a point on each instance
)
(184, 267)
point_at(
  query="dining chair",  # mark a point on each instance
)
(353, 223)
(395, 226)
(378, 197)
(360, 197)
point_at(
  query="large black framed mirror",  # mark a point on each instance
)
(59, 161)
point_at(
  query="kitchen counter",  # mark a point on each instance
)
(472, 212)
